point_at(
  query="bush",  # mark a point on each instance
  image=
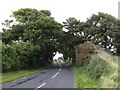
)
(83, 52)
(10, 58)
(21, 56)
(96, 67)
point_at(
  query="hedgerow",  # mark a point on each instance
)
(96, 67)
(21, 55)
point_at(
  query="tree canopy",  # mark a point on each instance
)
(33, 37)
(103, 29)
(35, 30)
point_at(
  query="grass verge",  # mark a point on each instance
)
(82, 80)
(13, 75)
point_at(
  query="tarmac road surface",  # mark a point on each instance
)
(56, 77)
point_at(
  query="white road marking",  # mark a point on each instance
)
(41, 85)
(52, 77)
(59, 69)
(55, 75)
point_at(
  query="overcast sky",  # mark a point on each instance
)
(61, 9)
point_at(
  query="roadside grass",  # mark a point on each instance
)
(82, 80)
(111, 80)
(108, 80)
(13, 75)
(102, 65)
(0, 78)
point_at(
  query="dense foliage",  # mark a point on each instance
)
(30, 41)
(96, 68)
(21, 55)
(104, 30)
(33, 37)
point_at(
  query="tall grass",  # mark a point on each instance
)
(96, 67)
(99, 65)
(111, 80)
(82, 80)
(103, 71)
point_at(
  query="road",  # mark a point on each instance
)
(56, 77)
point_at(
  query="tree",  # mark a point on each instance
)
(102, 30)
(74, 35)
(36, 28)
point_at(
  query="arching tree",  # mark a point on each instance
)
(35, 27)
(74, 36)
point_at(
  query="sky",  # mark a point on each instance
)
(61, 9)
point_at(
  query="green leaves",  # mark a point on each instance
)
(33, 38)
(96, 67)
(102, 30)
